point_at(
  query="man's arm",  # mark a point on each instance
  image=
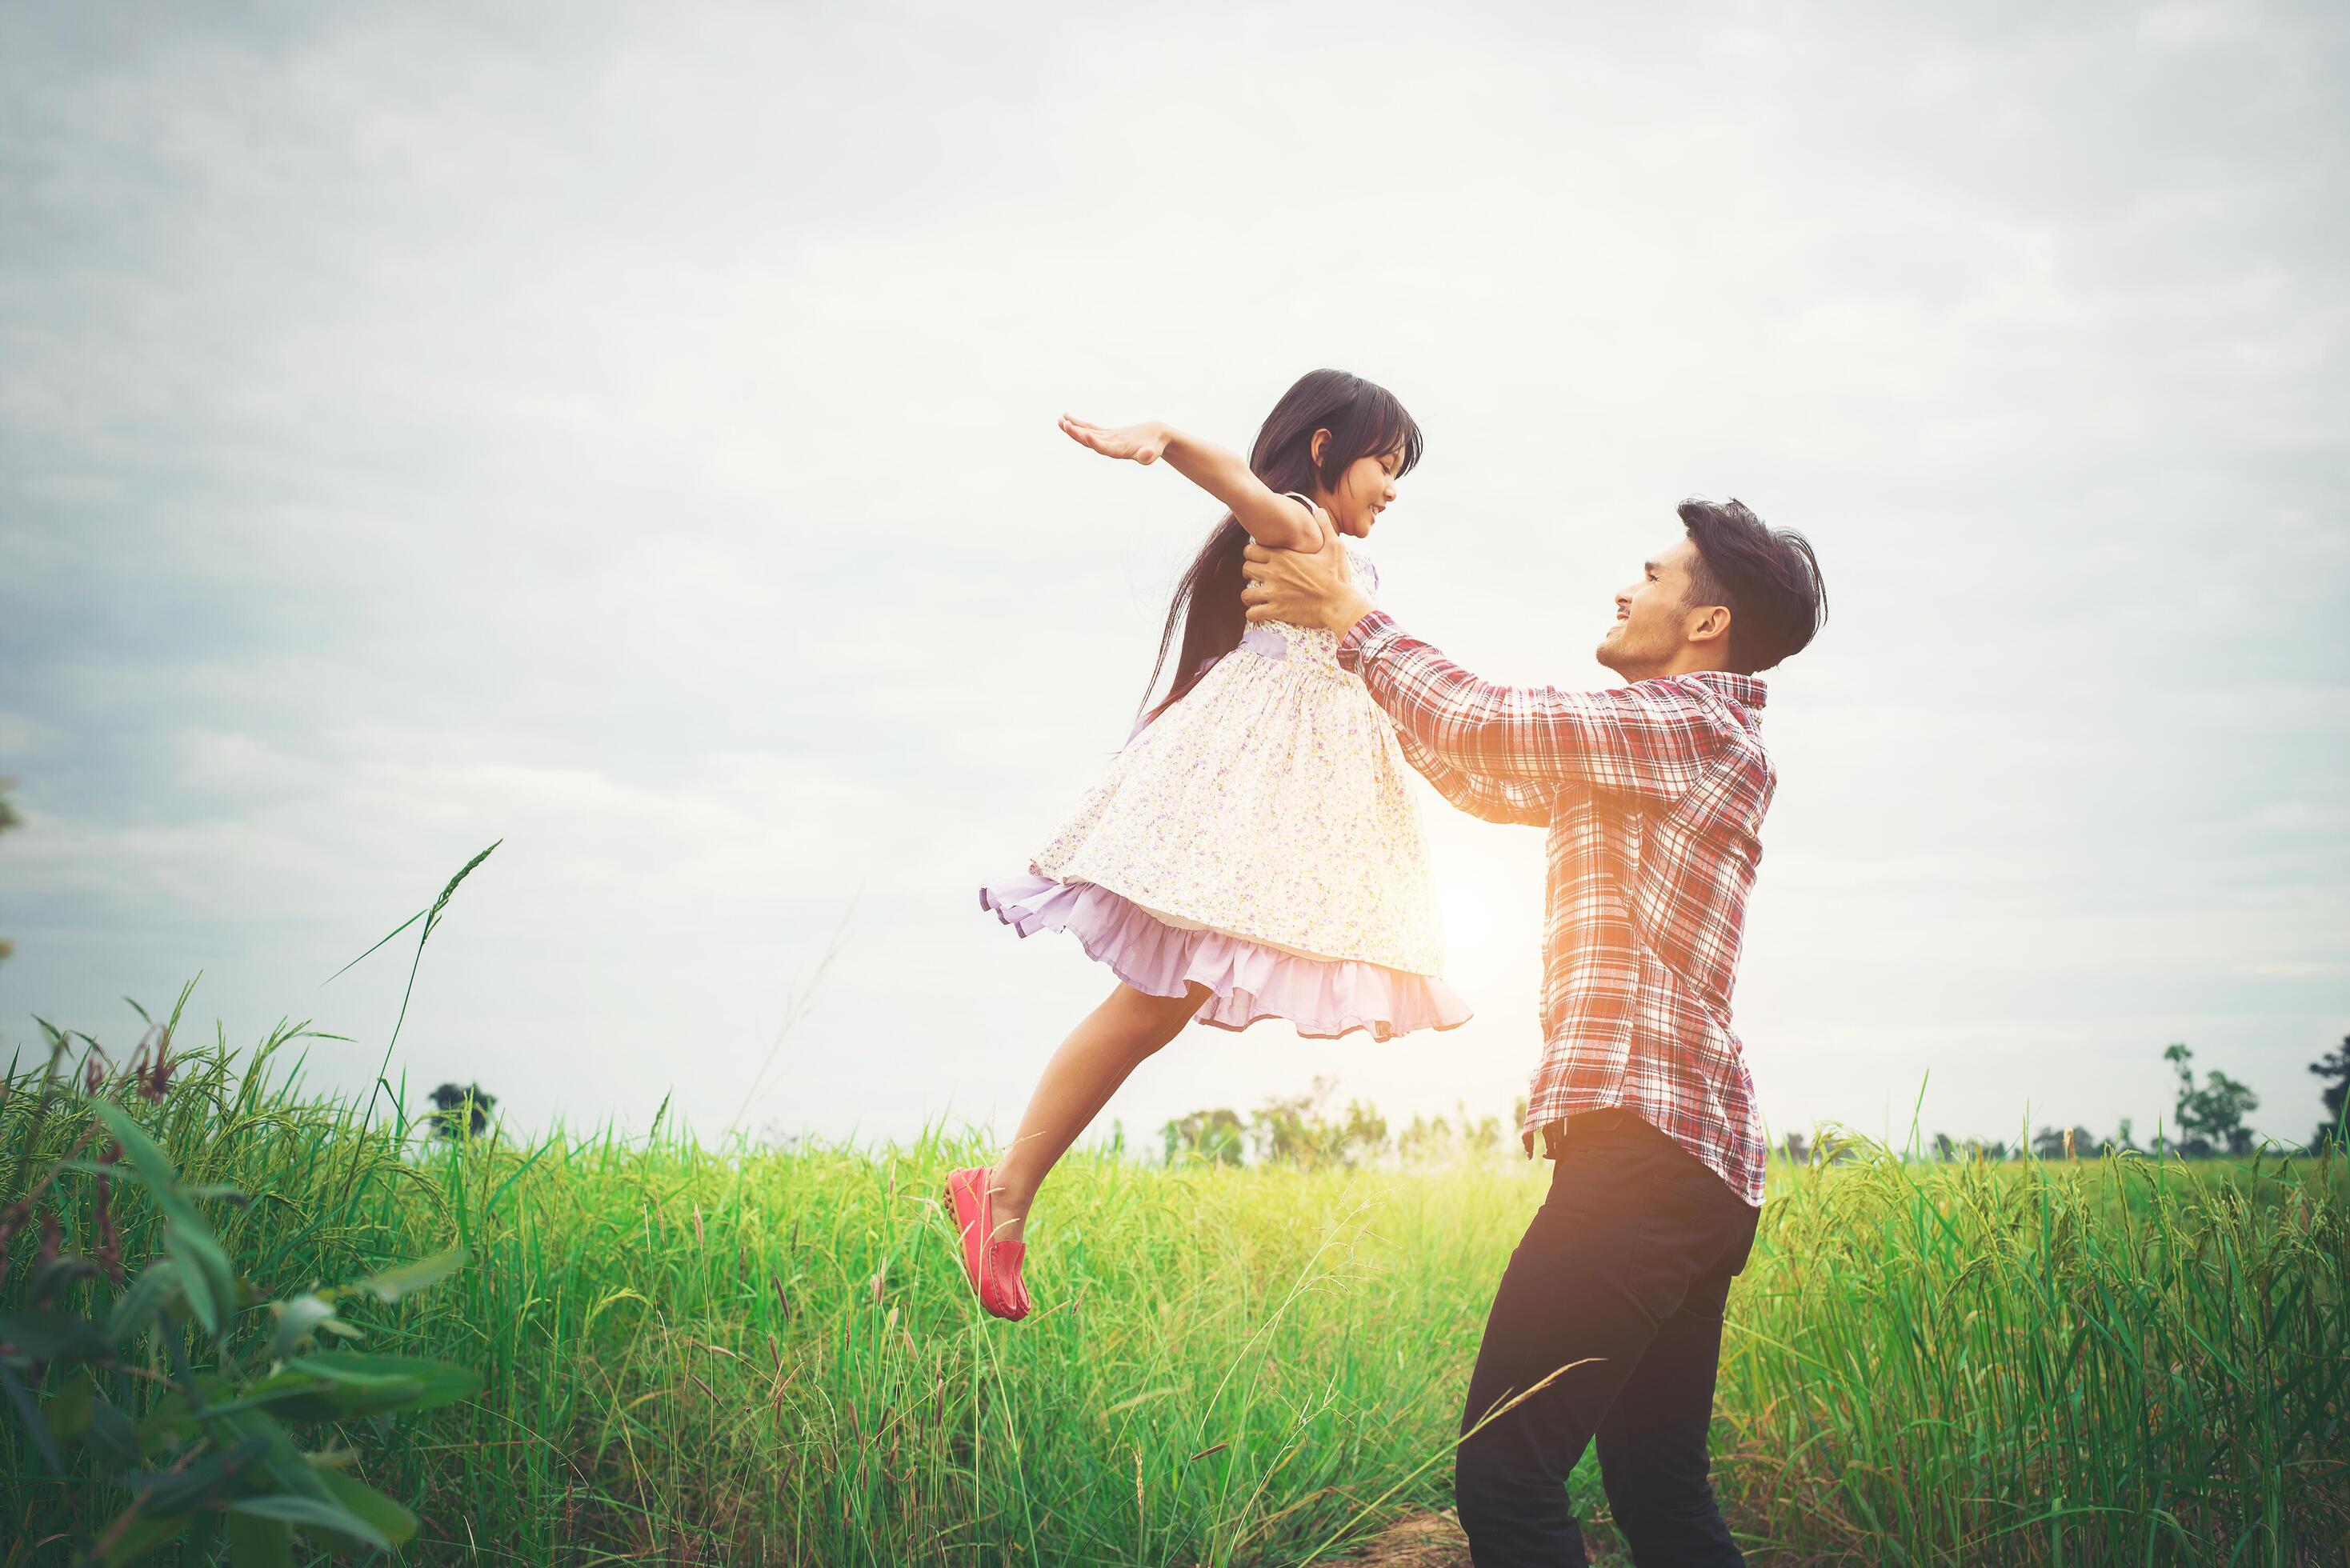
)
(1495, 800)
(1654, 739)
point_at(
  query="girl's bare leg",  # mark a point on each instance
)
(1111, 1043)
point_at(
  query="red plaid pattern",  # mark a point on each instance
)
(1653, 794)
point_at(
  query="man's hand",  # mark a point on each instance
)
(1303, 588)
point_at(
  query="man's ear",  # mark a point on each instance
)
(1709, 623)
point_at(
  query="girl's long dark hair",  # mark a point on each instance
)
(1364, 420)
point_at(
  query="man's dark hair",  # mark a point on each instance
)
(1767, 577)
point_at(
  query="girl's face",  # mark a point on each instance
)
(1366, 487)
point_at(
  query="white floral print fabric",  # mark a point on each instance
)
(1272, 803)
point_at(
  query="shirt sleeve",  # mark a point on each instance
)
(1654, 739)
(1495, 800)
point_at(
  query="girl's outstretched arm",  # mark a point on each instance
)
(1272, 520)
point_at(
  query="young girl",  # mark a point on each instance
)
(1253, 853)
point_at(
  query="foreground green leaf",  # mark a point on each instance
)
(409, 1278)
(280, 1457)
(41, 1336)
(410, 1381)
(140, 1537)
(256, 1540)
(153, 1288)
(299, 1320)
(393, 1520)
(176, 1491)
(209, 1281)
(36, 1426)
(314, 1513)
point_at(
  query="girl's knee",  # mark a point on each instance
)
(1144, 1004)
(1156, 1019)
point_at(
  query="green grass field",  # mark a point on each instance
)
(741, 1355)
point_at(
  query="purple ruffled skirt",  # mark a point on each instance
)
(1324, 997)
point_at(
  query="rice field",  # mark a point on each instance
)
(757, 1356)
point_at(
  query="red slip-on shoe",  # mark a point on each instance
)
(990, 1263)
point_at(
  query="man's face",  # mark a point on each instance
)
(1653, 615)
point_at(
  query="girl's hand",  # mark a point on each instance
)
(1270, 519)
(1139, 443)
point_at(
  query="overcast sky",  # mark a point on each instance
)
(626, 433)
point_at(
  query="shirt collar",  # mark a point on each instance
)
(1746, 691)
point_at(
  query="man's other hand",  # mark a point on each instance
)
(1303, 587)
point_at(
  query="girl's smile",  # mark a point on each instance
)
(1366, 488)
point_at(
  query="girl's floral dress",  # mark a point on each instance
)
(1258, 838)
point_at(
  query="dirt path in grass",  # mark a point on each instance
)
(1434, 1541)
(1423, 1541)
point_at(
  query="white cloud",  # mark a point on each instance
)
(22, 737)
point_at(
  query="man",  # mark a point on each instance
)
(1653, 794)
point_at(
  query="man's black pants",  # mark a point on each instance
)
(1628, 1264)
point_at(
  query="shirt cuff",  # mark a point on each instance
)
(1365, 640)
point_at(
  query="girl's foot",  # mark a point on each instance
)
(991, 1262)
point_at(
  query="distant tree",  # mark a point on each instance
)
(2228, 1102)
(1294, 1130)
(1427, 1138)
(1362, 1136)
(1459, 1136)
(2212, 1116)
(1483, 1136)
(2334, 1065)
(2064, 1142)
(2121, 1142)
(464, 1110)
(1945, 1149)
(1279, 1131)
(1213, 1138)
(8, 819)
(1798, 1148)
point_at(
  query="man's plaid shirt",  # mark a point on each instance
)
(1653, 794)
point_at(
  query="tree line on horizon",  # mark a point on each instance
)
(1305, 1130)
